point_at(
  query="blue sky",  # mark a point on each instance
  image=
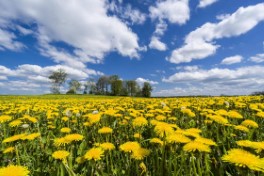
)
(182, 47)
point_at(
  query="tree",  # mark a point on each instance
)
(102, 85)
(131, 87)
(58, 79)
(74, 86)
(89, 87)
(116, 87)
(146, 89)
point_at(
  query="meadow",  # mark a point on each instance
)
(97, 135)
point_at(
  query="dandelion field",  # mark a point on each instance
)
(93, 135)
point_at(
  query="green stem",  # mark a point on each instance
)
(17, 155)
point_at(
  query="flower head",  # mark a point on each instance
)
(244, 158)
(194, 145)
(13, 170)
(129, 146)
(60, 154)
(140, 153)
(107, 146)
(94, 154)
(105, 130)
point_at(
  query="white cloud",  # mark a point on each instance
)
(161, 27)
(131, 15)
(232, 60)
(134, 15)
(200, 44)
(259, 58)
(35, 78)
(74, 24)
(142, 80)
(8, 41)
(175, 11)
(219, 75)
(155, 43)
(191, 68)
(24, 31)
(205, 3)
(216, 81)
(222, 16)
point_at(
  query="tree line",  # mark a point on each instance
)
(104, 85)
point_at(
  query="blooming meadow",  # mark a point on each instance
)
(95, 135)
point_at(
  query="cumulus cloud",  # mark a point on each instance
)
(8, 41)
(175, 11)
(232, 60)
(259, 58)
(216, 81)
(74, 24)
(155, 43)
(141, 81)
(220, 75)
(131, 15)
(205, 3)
(200, 43)
(35, 78)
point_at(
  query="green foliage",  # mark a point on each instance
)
(146, 89)
(58, 78)
(74, 86)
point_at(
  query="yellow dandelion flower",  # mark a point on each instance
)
(156, 141)
(15, 123)
(65, 130)
(9, 150)
(74, 137)
(140, 153)
(31, 136)
(65, 119)
(188, 112)
(94, 118)
(129, 146)
(140, 121)
(137, 135)
(259, 146)
(60, 141)
(163, 128)
(235, 115)
(60, 154)
(14, 138)
(205, 141)
(221, 112)
(250, 123)
(107, 146)
(13, 170)
(160, 117)
(105, 130)
(31, 119)
(5, 118)
(94, 154)
(218, 119)
(260, 114)
(196, 146)
(244, 158)
(241, 128)
(177, 138)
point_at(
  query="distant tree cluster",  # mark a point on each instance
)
(258, 93)
(105, 85)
